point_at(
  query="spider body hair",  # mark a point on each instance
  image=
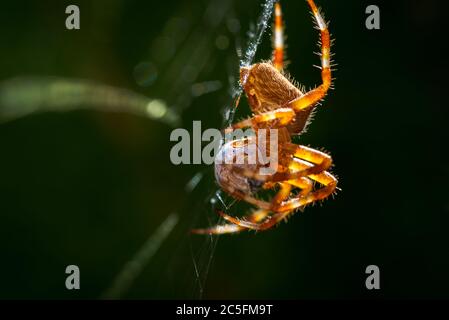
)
(268, 89)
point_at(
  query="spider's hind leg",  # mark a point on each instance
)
(251, 221)
(315, 95)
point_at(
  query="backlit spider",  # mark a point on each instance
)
(277, 104)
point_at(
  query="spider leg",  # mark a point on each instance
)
(288, 207)
(218, 229)
(283, 115)
(237, 225)
(326, 179)
(307, 196)
(269, 221)
(320, 160)
(304, 183)
(282, 194)
(313, 96)
(278, 38)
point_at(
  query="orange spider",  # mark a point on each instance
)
(277, 104)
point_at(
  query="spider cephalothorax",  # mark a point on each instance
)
(277, 104)
(266, 88)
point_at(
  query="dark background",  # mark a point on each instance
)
(88, 187)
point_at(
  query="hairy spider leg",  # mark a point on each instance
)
(283, 115)
(251, 221)
(289, 206)
(278, 38)
(256, 216)
(310, 98)
(320, 160)
(279, 204)
(326, 179)
(278, 199)
(304, 183)
(266, 224)
(313, 96)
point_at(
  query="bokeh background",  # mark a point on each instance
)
(86, 178)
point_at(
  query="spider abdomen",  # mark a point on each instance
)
(237, 154)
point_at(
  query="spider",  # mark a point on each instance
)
(277, 104)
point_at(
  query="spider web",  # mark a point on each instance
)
(254, 38)
(190, 282)
(202, 258)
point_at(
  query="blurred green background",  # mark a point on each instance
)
(89, 187)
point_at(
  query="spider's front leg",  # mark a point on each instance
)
(320, 161)
(283, 115)
(326, 179)
(268, 221)
(315, 95)
(307, 196)
(260, 219)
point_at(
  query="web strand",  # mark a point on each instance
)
(254, 39)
